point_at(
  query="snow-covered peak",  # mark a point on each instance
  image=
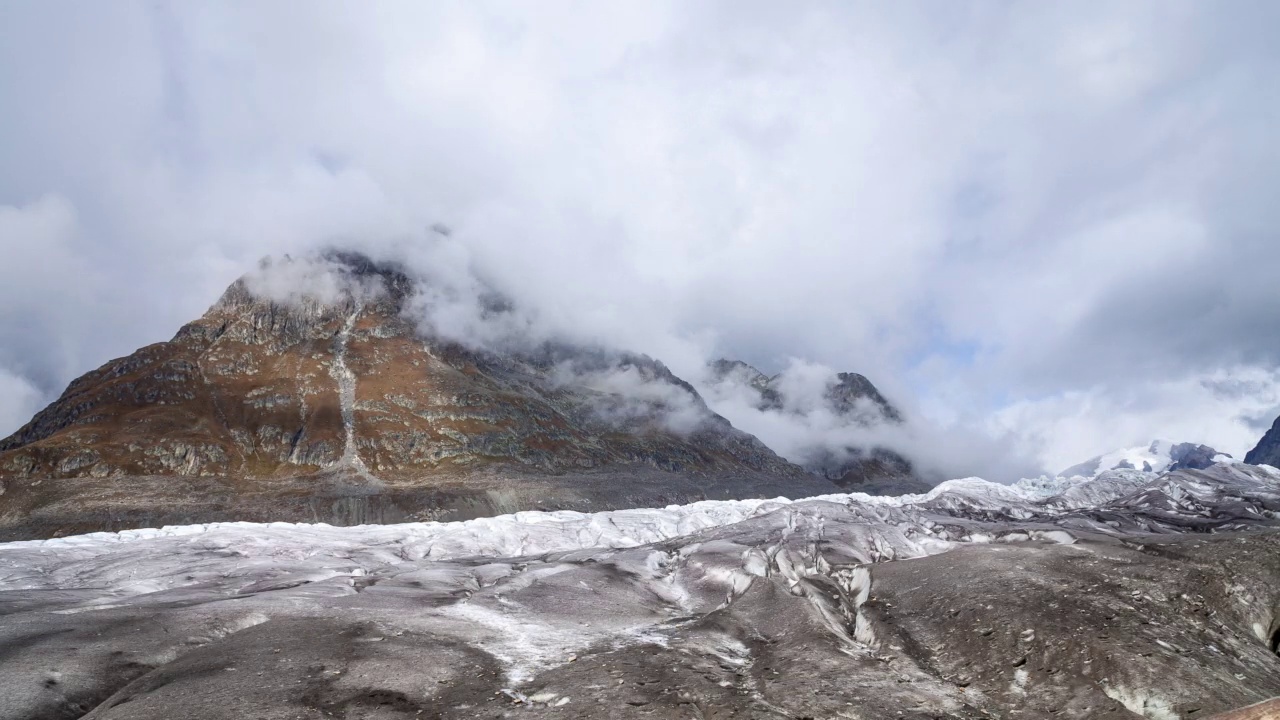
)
(1158, 456)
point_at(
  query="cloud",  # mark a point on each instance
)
(19, 400)
(446, 300)
(43, 281)
(977, 206)
(635, 396)
(314, 278)
(804, 427)
(1227, 409)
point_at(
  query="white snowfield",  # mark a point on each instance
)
(1157, 456)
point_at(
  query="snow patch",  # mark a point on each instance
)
(1142, 703)
(347, 392)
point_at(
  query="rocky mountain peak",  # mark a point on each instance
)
(851, 391)
(741, 372)
(1194, 456)
(847, 394)
(328, 366)
(854, 401)
(286, 301)
(1157, 456)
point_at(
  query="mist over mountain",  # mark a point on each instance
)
(826, 424)
(337, 387)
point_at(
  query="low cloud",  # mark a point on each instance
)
(1227, 409)
(446, 300)
(311, 278)
(633, 396)
(804, 426)
(19, 399)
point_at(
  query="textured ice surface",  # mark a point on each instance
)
(1062, 597)
(146, 560)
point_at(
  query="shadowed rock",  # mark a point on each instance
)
(1267, 451)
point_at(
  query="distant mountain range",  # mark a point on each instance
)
(1159, 456)
(312, 391)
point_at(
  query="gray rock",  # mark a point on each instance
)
(1190, 456)
(1267, 452)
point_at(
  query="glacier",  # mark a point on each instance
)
(1084, 596)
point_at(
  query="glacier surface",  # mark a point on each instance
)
(1089, 597)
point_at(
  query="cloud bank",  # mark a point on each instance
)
(1028, 222)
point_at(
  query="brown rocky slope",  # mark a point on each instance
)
(330, 401)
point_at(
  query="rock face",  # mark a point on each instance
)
(1190, 456)
(855, 402)
(1268, 450)
(325, 374)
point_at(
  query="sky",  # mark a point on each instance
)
(1048, 226)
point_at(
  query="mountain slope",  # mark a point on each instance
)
(847, 401)
(1267, 452)
(321, 370)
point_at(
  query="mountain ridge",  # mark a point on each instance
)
(854, 402)
(312, 378)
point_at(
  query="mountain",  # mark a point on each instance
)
(1159, 456)
(853, 402)
(312, 390)
(1267, 451)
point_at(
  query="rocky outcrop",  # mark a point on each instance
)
(1190, 456)
(1267, 451)
(320, 367)
(857, 403)
(852, 392)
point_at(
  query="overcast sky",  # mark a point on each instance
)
(1051, 223)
